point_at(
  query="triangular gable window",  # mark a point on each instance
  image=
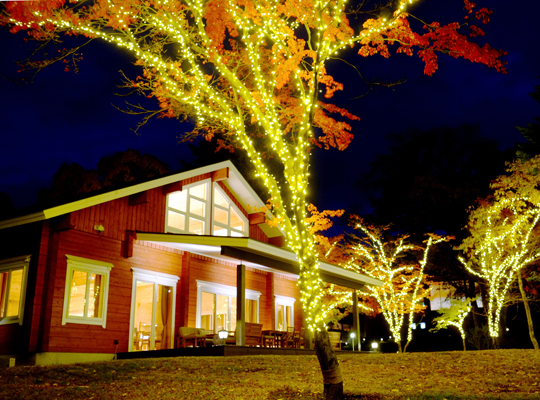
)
(189, 211)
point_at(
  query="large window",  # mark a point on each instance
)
(187, 210)
(86, 295)
(204, 209)
(284, 312)
(13, 276)
(216, 306)
(227, 218)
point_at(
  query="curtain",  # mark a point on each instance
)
(166, 316)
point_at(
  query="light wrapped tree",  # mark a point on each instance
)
(401, 266)
(454, 316)
(504, 237)
(255, 73)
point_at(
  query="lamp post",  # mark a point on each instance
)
(352, 335)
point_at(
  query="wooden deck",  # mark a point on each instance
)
(215, 351)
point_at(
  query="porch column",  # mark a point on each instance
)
(241, 305)
(356, 320)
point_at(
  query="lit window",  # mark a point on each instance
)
(13, 276)
(86, 295)
(187, 210)
(227, 218)
(284, 312)
(216, 306)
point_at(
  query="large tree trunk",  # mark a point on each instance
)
(331, 371)
(527, 311)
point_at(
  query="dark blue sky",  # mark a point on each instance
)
(66, 117)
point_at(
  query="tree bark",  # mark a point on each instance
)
(527, 311)
(406, 345)
(464, 345)
(331, 370)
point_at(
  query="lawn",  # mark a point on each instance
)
(493, 374)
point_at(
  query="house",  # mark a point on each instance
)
(123, 270)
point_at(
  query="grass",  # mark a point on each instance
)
(493, 374)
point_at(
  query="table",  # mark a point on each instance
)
(277, 336)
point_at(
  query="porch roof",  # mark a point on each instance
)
(256, 254)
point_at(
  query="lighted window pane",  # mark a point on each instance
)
(237, 234)
(207, 311)
(222, 312)
(198, 191)
(221, 215)
(219, 199)
(176, 220)
(77, 296)
(3, 292)
(197, 207)
(233, 314)
(196, 226)
(94, 302)
(178, 200)
(281, 318)
(219, 231)
(14, 298)
(236, 221)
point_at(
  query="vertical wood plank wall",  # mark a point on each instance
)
(43, 329)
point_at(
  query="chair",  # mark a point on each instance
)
(299, 338)
(288, 338)
(254, 334)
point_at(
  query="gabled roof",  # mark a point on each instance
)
(235, 183)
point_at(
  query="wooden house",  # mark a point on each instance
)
(123, 270)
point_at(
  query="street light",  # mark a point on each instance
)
(352, 335)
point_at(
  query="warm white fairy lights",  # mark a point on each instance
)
(402, 293)
(501, 244)
(228, 94)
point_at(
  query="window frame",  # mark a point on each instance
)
(156, 278)
(75, 263)
(187, 214)
(13, 264)
(284, 301)
(225, 290)
(232, 205)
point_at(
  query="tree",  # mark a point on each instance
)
(255, 73)
(400, 266)
(72, 181)
(531, 132)
(454, 316)
(504, 237)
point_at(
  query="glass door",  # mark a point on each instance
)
(152, 321)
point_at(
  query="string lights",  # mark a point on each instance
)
(239, 69)
(403, 291)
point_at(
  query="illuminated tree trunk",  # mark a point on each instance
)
(527, 311)
(331, 371)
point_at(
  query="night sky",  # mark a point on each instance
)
(66, 117)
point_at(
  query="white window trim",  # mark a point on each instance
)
(11, 264)
(158, 278)
(208, 203)
(284, 301)
(225, 290)
(90, 266)
(245, 232)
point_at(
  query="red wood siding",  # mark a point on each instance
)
(215, 271)
(90, 338)
(286, 286)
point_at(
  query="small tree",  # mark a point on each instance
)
(401, 266)
(504, 237)
(454, 316)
